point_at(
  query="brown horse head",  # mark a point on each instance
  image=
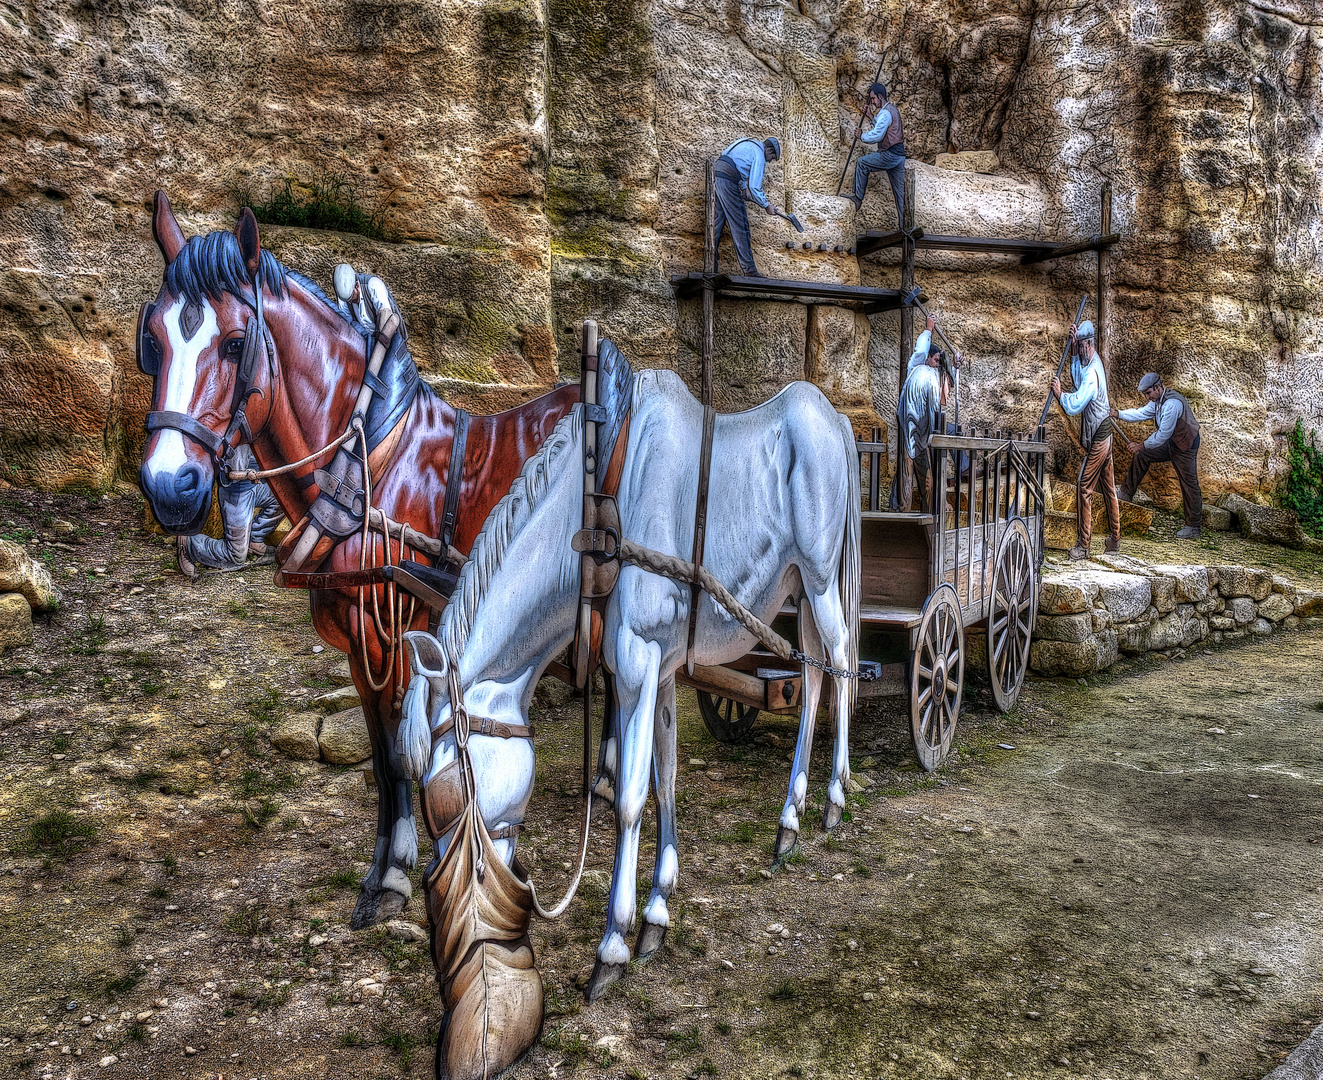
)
(213, 340)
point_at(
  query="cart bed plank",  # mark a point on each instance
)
(901, 617)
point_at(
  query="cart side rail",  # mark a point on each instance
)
(982, 479)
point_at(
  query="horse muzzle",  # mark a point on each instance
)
(180, 498)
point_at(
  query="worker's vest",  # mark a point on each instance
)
(894, 136)
(1186, 432)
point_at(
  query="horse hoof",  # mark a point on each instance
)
(603, 978)
(785, 842)
(376, 906)
(649, 940)
(831, 816)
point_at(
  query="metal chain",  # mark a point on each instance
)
(837, 673)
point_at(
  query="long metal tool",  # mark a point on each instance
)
(790, 218)
(1065, 354)
(867, 98)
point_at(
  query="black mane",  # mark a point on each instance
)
(212, 266)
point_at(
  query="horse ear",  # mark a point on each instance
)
(250, 247)
(169, 236)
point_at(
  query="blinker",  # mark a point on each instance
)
(149, 349)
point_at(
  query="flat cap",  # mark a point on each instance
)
(1149, 381)
(1085, 332)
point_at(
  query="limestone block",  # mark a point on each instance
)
(1215, 517)
(1064, 594)
(1308, 603)
(1135, 520)
(296, 736)
(1275, 608)
(1133, 637)
(1284, 587)
(1167, 632)
(15, 621)
(1164, 593)
(1260, 627)
(344, 737)
(1078, 627)
(1242, 609)
(1191, 582)
(342, 697)
(1124, 595)
(1060, 530)
(838, 355)
(1290, 622)
(961, 204)
(1221, 622)
(20, 573)
(1195, 630)
(1102, 619)
(1238, 634)
(975, 161)
(759, 347)
(1269, 525)
(1074, 658)
(1243, 581)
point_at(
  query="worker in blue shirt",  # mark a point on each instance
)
(887, 136)
(739, 176)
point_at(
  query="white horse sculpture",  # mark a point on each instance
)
(783, 521)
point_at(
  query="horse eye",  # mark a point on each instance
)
(232, 349)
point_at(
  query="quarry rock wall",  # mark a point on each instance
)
(539, 161)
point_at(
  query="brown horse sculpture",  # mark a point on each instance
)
(218, 382)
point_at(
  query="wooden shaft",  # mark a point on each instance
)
(1104, 284)
(710, 241)
(868, 100)
(906, 281)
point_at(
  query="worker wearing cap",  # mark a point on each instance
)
(887, 139)
(1089, 402)
(917, 413)
(739, 176)
(1176, 439)
(249, 511)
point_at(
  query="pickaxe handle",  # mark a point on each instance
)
(789, 217)
(1065, 354)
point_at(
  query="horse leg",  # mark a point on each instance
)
(829, 621)
(608, 748)
(638, 662)
(787, 832)
(656, 914)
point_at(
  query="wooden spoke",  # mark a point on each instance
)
(1013, 612)
(728, 721)
(937, 671)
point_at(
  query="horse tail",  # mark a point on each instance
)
(851, 573)
(413, 741)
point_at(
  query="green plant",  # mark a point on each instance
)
(121, 985)
(94, 640)
(329, 202)
(257, 816)
(786, 990)
(1303, 490)
(124, 937)
(59, 833)
(60, 743)
(170, 865)
(264, 709)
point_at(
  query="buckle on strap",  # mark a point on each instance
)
(602, 544)
(185, 424)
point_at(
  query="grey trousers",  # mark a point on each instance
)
(891, 162)
(248, 510)
(731, 211)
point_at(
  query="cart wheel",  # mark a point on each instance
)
(1011, 615)
(937, 675)
(728, 721)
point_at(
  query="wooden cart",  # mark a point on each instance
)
(926, 578)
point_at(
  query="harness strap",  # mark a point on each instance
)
(182, 422)
(700, 526)
(454, 476)
(481, 725)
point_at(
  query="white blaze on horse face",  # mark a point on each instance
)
(180, 383)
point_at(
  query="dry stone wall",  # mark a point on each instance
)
(542, 160)
(1089, 617)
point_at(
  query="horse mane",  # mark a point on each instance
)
(505, 521)
(212, 265)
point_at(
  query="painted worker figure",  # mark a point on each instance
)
(1089, 402)
(887, 136)
(249, 511)
(739, 176)
(365, 299)
(1176, 439)
(917, 412)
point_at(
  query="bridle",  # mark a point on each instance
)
(257, 345)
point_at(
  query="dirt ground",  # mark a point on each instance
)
(1118, 880)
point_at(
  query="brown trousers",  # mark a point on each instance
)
(1186, 464)
(1097, 469)
(908, 472)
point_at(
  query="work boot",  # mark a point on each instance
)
(1125, 496)
(856, 203)
(186, 566)
(256, 547)
(1190, 532)
(1078, 553)
(1112, 546)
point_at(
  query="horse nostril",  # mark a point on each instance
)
(189, 480)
